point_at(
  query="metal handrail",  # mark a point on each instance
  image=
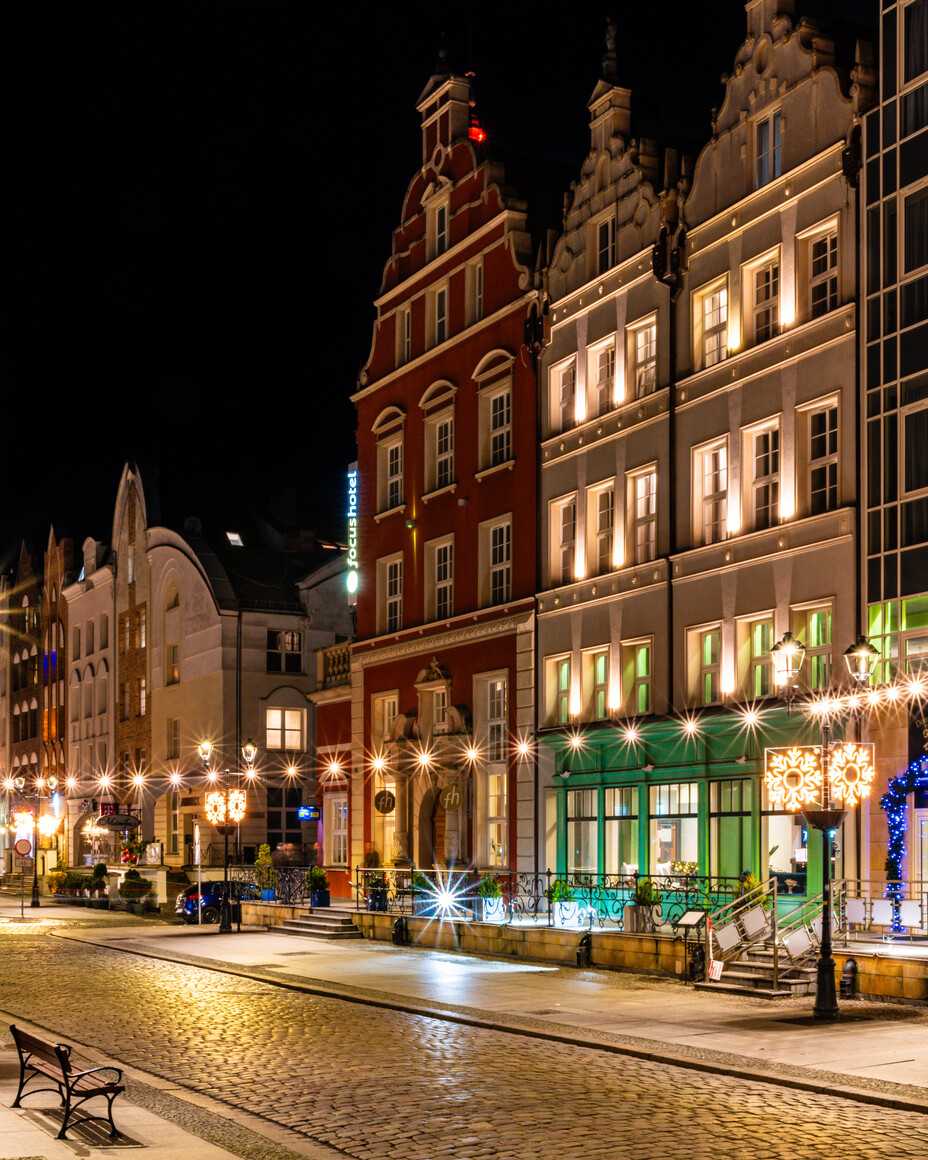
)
(764, 896)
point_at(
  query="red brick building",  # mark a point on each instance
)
(442, 669)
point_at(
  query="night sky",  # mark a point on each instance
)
(201, 202)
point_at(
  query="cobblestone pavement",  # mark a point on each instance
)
(377, 1083)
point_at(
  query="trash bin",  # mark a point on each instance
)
(849, 979)
(584, 951)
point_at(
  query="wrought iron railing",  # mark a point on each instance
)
(749, 918)
(279, 883)
(575, 899)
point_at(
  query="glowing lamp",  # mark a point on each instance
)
(335, 768)
(22, 820)
(861, 660)
(48, 825)
(204, 749)
(249, 752)
(523, 748)
(471, 753)
(379, 764)
(788, 655)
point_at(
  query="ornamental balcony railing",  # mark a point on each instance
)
(576, 900)
(333, 665)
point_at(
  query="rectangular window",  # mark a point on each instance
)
(173, 737)
(284, 729)
(823, 460)
(595, 673)
(766, 304)
(674, 828)
(143, 697)
(172, 667)
(636, 677)
(715, 326)
(915, 231)
(823, 286)
(89, 634)
(765, 484)
(474, 291)
(641, 358)
(768, 150)
(915, 40)
(130, 568)
(440, 565)
(393, 596)
(441, 229)
(605, 245)
(75, 642)
(621, 830)
(500, 562)
(582, 826)
(403, 335)
(444, 452)
(394, 454)
(600, 508)
(441, 315)
(126, 700)
(557, 689)
(755, 640)
(812, 628)
(644, 516)
(500, 428)
(914, 431)
(564, 540)
(601, 373)
(710, 489)
(567, 396)
(704, 647)
(284, 651)
(143, 628)
(104, 630)
(730, 843)
(125, 632)
(384, 708)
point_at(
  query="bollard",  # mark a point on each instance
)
(401, 932)
(584, 951)
(849, 979)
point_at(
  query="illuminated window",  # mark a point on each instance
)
(621, 830)
(601, 376)
(143, 697)
(142, 628)
(643, 513)
(563, 540)
(755, 640)
(764, 457)
(565, 380)
(582, 829)
(384, 708)
(812, 628)
(765, 305)
(284, 729)
(284, 651)
(172, 668)
(768, 157)
(495, 561)
(335, 829)
(704, 663)
(600, 536)
(595, 678)
(710, 492)
(641, 358)
(557, 690)
(636, 677)
(439, 563)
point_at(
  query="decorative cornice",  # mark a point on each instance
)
(466, 634)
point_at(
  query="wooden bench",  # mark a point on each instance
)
(39, 1058)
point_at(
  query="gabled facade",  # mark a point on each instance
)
(699, 477)
(442, 670)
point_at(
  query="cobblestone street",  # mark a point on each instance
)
(378, 1083)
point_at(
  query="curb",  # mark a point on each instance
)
(512, 1025)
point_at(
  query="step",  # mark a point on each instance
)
(735, 989)
(316, 925)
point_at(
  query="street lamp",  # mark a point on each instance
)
(842, 777)
(46, 826)
(788, 655)
(225, 809)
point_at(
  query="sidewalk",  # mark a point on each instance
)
(877, 1052)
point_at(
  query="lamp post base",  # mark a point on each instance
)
(826, 996)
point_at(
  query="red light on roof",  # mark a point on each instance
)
(477, 134)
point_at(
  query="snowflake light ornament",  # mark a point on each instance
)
(793, 778)
(851, 772)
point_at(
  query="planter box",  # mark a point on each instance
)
(493, 910)
(566, 913)
(377, 900)
(268, 894)
(320, 898)
(642, 919)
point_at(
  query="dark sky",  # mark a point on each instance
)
(200, 201)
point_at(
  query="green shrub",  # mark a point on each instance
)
(488, 887)
(55, 881)
(645, 893)
(558, 891)
(265, 873)
(317, 879)
(134, 887)
(419, 881)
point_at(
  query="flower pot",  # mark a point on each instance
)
(319, 898)
(493, 910)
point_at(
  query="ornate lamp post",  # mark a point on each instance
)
(225, 809)
(842, 778)
(46, 825)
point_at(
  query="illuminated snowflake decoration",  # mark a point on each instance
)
(22, 820)
(793, 778)
(851, 772)
(216, 807)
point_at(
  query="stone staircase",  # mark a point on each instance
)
(752, 974)
(321, 922)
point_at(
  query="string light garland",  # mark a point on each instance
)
(895, 805)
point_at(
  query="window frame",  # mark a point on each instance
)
(604, 257)
(768, 156)
(699, 669)
(631, 682)
(831, 459)
(755, 483)
(636, 369)
(768, 307)
(389, 605)
(636, 521)
(703, 499)
(702, 332)
(595, 535)
(290, 737)
(487, 565)
(563, 407)
(755, 667)
(597, 386)
(558, 570)
(595, 683)
(558, 695)
(819, 657)
(439, 578)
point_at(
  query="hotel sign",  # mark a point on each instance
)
(353, 530)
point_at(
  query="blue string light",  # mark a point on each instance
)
(895, 805)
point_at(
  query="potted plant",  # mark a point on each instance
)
(644, 909)
(265, 873)
(421, 894)
(135, 891)
(55, 881)
(490, 904)
(376, 892)
(74, 888)
(566, 910)
(317, 883)
(99, 888)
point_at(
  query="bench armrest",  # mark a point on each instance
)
(94, 1070)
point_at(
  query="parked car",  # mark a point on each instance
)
(187, 900)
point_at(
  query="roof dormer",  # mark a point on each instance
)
(444, 106)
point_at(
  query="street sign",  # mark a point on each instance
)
(23, 847)
(308, 813)
(118, 822)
